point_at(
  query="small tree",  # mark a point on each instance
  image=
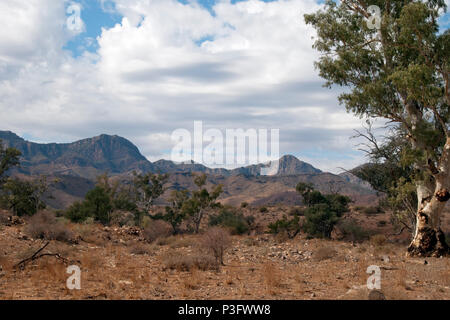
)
(9, 157)
(24, 197)
(148, 188)
(323, 211)
(201, 201)
(320, 221)
(290, 227)
(174, 213)
(216, 240)
(98, 204)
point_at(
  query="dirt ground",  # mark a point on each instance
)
(117, 264)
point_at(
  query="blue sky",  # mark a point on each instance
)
(97, 16)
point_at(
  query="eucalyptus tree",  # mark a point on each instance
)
(394, 61)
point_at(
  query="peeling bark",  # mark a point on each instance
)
(429, 240)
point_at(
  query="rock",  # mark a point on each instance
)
(376, 295)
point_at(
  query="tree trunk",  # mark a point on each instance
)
(429, 240)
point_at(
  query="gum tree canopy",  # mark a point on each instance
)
(398, 70)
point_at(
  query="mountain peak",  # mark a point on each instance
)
(289, 165)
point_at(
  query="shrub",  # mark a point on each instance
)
(156, 229)
(378, 240)
(122, 218)
(296, 211)
(350, 230)
(373, 210)
(44, 225)
(216, 240)
(141, 249)
(324, 253)
(190, 262)
(320, 221)
(77, 212)
(284, 226)
(4, 217)
(232, 219)
(244, 204)
(263, 209)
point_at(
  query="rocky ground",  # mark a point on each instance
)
(117, 264)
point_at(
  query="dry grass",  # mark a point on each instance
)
(141, 249)
(44, 225)
(157, 229)
(216, 240)
(324, 253)
(378, 240)
(272, 278)
(189, 262)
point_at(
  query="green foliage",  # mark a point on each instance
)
(97, 204)
(200, 201)
(147, 188)
(350, 230)
(290, 227)
(232, 219)
(338, 203)
(399, 73)
(77, 212)
(323, 211)
(9, 157)
(263, 210)
(23, 197)
(175, 213)
(320, 221)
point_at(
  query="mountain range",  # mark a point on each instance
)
(77, 164)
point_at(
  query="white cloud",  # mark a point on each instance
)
(165, 65)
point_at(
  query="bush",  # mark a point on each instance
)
(141, 249)
(351, 231)
(216, 240)
(324, 253)
(44, 225)
(189, 262)
(244, 204)
(297, 211)
(372, 210)
(157, 229)
(320, 221)
(284, 226)
(231, 219)
(122, 218)
(263, 210)
(77, 212)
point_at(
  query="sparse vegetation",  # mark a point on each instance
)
(44, 225)
(232, 219)
(216, 240)
(263, 209)
(190, 262)
(289, 227)
(324, 253)
(157, 229)
(352, 231)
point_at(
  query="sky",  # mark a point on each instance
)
(144, 68)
